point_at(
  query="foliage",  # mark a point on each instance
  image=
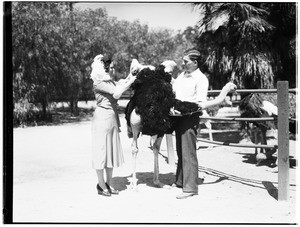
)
(54, 45)
(23, 112)
(250, 43)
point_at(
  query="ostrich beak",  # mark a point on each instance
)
(230, 87)
(233, 88)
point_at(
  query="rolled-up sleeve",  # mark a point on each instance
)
(105, 86)
(202, 89)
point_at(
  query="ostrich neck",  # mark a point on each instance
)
(218, 100)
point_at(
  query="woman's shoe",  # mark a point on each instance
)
(103, 192)
(111, 190)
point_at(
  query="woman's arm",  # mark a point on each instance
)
(104, 86)
(121, 88)
(115, 90)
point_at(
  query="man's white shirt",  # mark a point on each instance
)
(191, 87)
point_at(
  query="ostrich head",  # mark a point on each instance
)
(229, 87)
(136, 67)
(170, 66)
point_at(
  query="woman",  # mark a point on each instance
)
(106, 146)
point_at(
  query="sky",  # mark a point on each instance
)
(173, 15)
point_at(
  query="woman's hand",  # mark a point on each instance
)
(131, 79)
(121, 88)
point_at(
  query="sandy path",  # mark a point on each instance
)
(54, 182)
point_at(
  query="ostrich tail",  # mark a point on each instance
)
(129, 131)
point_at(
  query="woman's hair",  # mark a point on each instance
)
(100, 68)
(106, 61)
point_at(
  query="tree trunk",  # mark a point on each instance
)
(44, 109)
(73, 106)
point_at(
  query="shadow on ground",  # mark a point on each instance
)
(122, 183)
(250, 158)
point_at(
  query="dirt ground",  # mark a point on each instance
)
(54, 182)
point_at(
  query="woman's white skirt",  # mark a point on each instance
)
(106, 145)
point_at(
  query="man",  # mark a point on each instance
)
(192, 86)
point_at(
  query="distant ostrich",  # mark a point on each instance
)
(254, 106)
(149, 110)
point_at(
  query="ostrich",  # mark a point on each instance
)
(254, 106)
(150, 110)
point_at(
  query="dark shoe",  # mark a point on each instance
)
(111, 190)
(185, 195)
(174, 185)
(103, 192)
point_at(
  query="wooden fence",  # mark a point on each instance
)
(283, 130)
(283, 133)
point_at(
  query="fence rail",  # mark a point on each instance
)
(235, 98)
(241, 91)
(239, 119)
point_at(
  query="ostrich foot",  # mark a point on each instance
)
(158, 184)
(273, 165)
(210, 147)
(166, 186)
(133, 184)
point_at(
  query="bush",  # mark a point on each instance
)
(24, 112)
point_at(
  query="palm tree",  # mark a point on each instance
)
(239, 42)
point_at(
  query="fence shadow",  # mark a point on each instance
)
(225, 176)
(272, 190)
(230, 136)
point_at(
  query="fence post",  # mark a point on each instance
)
(283, 140)
(170, 149)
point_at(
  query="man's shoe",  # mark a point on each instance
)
(185, 195)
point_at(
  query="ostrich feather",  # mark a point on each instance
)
(153, 98)
(253, 106)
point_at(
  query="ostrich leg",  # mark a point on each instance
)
(261, 156)
(268, 151)
(156, 148)
(134, 150)
(135, 122)
(208, 125)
